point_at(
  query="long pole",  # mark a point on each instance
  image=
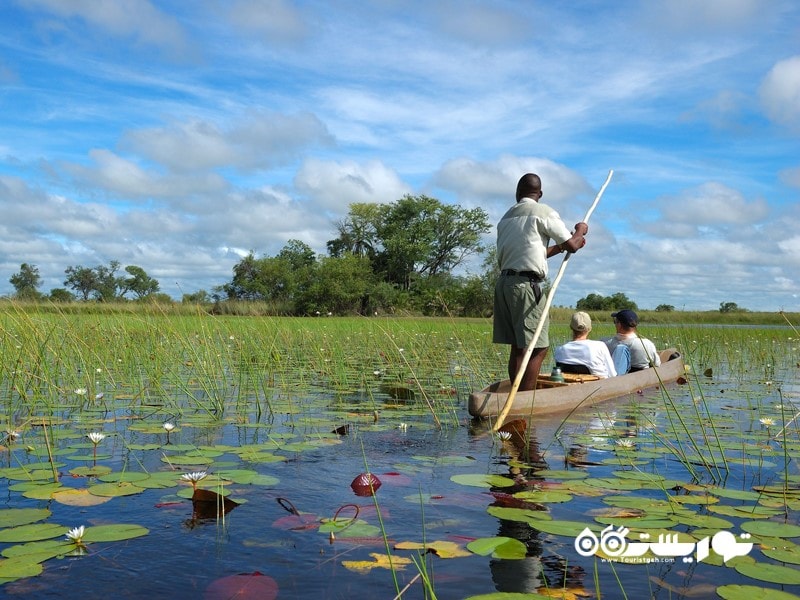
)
(529, 350)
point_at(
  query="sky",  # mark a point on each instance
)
(180, 136)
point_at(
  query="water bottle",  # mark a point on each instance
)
(555, 375)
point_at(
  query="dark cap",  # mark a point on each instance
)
(627, 317)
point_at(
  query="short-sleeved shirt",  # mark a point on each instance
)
(591, 353)
(643, 351)
(524, 233)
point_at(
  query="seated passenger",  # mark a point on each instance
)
(643, 352)
(583, 355)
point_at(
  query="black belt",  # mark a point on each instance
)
(529, 274)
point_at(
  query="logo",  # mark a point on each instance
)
(614, 546)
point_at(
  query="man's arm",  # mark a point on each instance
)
(573, 244)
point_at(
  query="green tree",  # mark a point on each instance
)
(297, 254)
(339, 285)
(729, 307)
(26, 282)
(665, 308)
(617, 301)
(61, 295)
(358, 232)
(82, 280)
(422, 236)
(139, 282)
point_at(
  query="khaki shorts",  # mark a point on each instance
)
(516, 313)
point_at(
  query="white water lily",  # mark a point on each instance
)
(168, 427)
(76, 534)
(624, 443)
(767, 422)
(403, 426)
(12, 435)
(81, 391)
(96, 437)
(504, 435)
(194, 477)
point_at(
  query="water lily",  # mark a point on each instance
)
(168, 427)
(193, 478)
(625, 443)
(76, 535)
(767, 422)
(96, 437)
(12, 435)
(81, 391)
(504, 435)
(403, 426)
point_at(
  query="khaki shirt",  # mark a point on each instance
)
(524, 233)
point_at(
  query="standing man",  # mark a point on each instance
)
(523, 247)
(643, 351)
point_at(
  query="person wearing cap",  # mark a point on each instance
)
(643, 353)
(582, 355)
(524, 237)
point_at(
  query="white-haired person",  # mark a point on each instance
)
(582, 355)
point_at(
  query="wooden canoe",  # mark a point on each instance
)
(578, 390)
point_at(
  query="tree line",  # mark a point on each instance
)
(396, 257)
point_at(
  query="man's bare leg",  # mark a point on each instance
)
(531, 372)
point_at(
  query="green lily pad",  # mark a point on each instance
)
(568, 528)
(32, 533)
(114, 533)
(482, 480)
(752, 592)
(12, 569)
(114, 490)
(769, 572)
(518, 514)
(561, 474)
(771, 529)
(94, 471)
(12, 517)
(785, 555)
(498, 547)
(543, 496)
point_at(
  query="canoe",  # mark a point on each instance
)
(553, 397)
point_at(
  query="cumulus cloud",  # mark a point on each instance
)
(271, 20)
(712, 204)
(334, 185)
(496, 180)
(135, 19)
(258, 140)
(780, 93)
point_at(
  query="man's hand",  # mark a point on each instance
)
(581, 228)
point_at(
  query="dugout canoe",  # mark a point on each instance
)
(578, 390)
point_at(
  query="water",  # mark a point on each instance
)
(708, 433)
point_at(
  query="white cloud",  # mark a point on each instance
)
(272, 20)
(712, 204)
(334, 185)
(780, 93)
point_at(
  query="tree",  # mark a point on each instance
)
(139, 283)
(617, 301)
(358, 232)
(297, 255)
(340, 285)
(26, 282)
(729, 307)
(268, 278)
(61, 295)
(82, 280)
(665, 308)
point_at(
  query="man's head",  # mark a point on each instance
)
(627, 318)
(581, 322)
(529, 186)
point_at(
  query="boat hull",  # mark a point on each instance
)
(489, 402)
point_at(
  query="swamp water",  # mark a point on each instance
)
(705, 468)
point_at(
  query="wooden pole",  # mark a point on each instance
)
(529, 350)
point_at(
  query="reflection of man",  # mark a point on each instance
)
(523, 237)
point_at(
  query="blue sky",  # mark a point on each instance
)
(178, 136)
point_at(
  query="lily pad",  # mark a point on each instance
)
(498, 547)
(12, 517)
(769, 572)
(771, 529)
(32, 533)
(752, 592)
(482, 480)
(114, 533)
(115, 489)
(79, 497)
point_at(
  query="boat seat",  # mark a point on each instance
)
(579, 369)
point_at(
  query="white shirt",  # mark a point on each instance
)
(592, 353)
(524, 233)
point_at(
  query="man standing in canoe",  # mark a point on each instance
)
(523, 247)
